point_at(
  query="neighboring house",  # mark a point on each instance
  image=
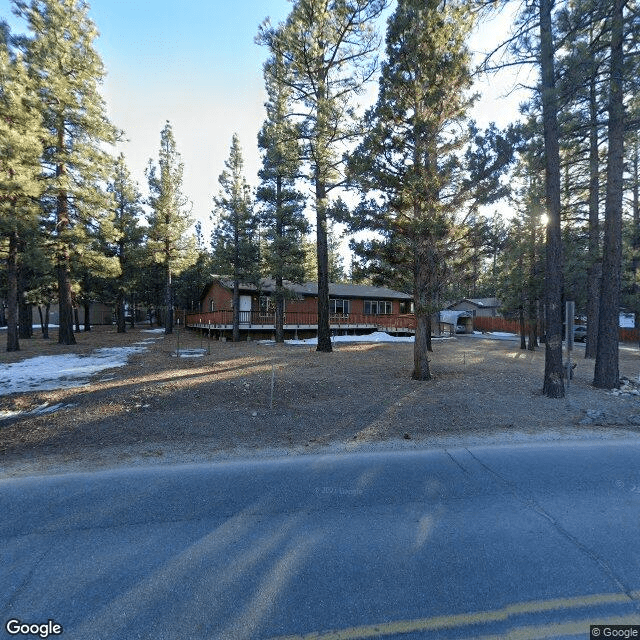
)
(478, 307)
(99, 313)
(356, 307)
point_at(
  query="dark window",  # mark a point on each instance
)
(378, 307)
(338, 306)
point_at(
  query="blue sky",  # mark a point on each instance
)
(195, 64)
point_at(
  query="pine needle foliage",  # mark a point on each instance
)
(169, 244)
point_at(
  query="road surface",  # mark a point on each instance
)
(536, 540)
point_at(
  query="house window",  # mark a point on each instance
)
(378, 307)
(406, 306)
(212, 305)
(338, 306)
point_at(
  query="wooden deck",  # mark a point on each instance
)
(299, 321)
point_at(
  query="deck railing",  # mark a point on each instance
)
(260, 320)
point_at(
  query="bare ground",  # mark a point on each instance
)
(163, 408)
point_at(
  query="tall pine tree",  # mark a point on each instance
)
(68, 72)
(329, 47)
(281, 216)
(20, 150)
(412, 153)
(170, 245)
(234, 240)
(128, 244)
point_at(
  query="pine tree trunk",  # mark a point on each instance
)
(87, 316)
(168, 302)
(594, 271)
(606, 373)
(553, 386)
(279, 324)
(236, 311)
(65, 303)
(324, 327)
(13, 343)
(422, 305)
(133, 313)
(635, 189)
(421, 350)
(45, 324)
(120, 315)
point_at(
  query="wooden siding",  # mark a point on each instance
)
(299, 313)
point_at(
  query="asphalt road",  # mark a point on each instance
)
(520, 541)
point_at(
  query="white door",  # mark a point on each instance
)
(245, 311)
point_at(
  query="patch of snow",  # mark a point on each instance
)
(189, 353)
(45, 373)
(41, 410)
(495, 335)
(160, 330)
(376, 336)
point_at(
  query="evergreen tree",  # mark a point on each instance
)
(334, 257)
(282, 213)
(412, 153)
(128, 245)
(553, 386)
(68, 72)
(20, 150)
(582, 137)
(169, 244)
(234, 239)
(329, 49)
(606, 372)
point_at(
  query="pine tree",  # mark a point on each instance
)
(20, 150)
(606, 372)
(128, 245)
(169, 244)
(234, 239)
(282, 213)
(412, 153)
(329, 48)
(68, 72)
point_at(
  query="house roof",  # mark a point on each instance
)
(268, 285)
(482, 303)
(448, 316)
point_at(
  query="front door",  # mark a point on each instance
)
(245, 311)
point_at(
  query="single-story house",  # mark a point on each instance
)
(351, 306)
(478, 307)
(99, 313)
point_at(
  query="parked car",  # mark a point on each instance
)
(579, 333)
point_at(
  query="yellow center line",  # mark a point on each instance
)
(481, 617)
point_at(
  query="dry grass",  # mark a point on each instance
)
(162, 406)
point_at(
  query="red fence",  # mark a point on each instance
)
(258, 320)
(513, 326)
(496, 324)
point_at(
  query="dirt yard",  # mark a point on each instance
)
(163, 408)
